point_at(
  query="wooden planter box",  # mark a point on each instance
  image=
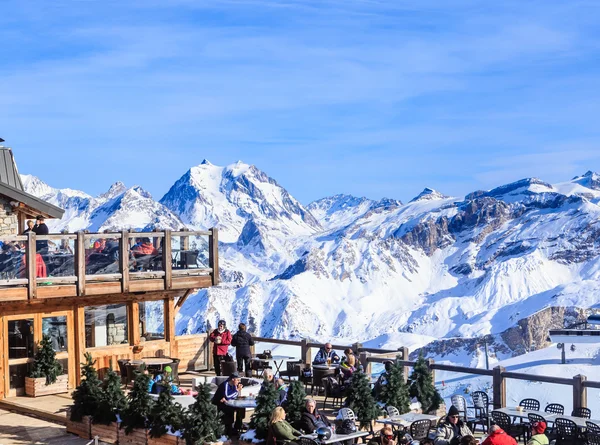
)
(37, 387)
(165, 439)
(136, 437)
(82, 429)
(106, 433)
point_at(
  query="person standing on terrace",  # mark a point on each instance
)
(41, 229)
(30, 226)
(221, 337)
(326, 355)
(242, 341)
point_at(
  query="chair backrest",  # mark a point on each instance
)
(535, 418)
(481, 402)
(584, 413)
(565, 428)
(392, 411)
(555, 408)
(293, 367)
(460, 403)
(592, 438)
(420, 429)
(530, 404)
(502, 420)
(592, 427)
(346, 413)
(228, 368)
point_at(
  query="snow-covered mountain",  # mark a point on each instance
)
(356, 269)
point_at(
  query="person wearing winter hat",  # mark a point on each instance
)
(538, 434)
(452, 429)
(221, 337)
(498, 436)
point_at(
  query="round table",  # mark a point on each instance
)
(248, 403)
(158, 361)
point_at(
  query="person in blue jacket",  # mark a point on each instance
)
(326, 352)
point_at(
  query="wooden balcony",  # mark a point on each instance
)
(34, 268)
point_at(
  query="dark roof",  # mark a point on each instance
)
(12, 187)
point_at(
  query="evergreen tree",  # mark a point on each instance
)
(202, 420)
(395, 392)
(422, 387)
(112, 400)
(87, 395)
(165, 413)
(360, 400)
(45, 363)
(266, 402)
(137, 412)
(295, 401)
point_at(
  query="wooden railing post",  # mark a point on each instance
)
(304, 351)
(124, 261)
(31, 266)
(213, 247)
(80, 266)
(404, 351)
(499, 384)
(184, 241)
(167, 260)
(356, 347)
(363, 357)
(579, 392)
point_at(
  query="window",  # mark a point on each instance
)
(105, 325)
(20, 338)
(56, 329)
(152, 320)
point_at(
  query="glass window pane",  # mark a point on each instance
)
(18, 374)
(152, 316)
(20, 338)
(56, 328)
(105, 325)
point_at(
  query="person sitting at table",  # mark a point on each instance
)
(145, 248)
(385, 437)
(30, 226)
(452, 429)
(311, 418)
(267, 380)
(282, 392)
(325, 353)
(230, 390)
(383, 379)
(221, 337)
(498, 436)
(280, 430)
(348, 365)
(242, 341)
(538, 436)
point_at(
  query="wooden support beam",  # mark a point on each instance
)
(80, 263)
(167, 260)
(305, 351)
(124, 261)
(31, 266)
(133, 322)
(499, 384)
(170, 325)
(579, 392)
(213, 254)
(182, 299)
(79, 344)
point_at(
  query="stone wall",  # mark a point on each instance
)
(9, 223)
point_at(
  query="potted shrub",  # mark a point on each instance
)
(395, 392)
(266, 402)
(422, 387)
(46, 375)
(85, 400)
(202, 421)
(134, 419)
(360, 400)
(111, 403)
(166, 418)
(295, 402)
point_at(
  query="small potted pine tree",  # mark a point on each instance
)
(266, 402)
(360, 400)
(105, 423)
(422, 387)
(395, 392)
(295, 402)
(134, 419)
(202, 421)
(85, 400)
(166, 419)
(46, 375)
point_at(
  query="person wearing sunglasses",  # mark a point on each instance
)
(326, 353)
(452, 429)
(386, 437)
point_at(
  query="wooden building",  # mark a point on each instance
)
(114, 295)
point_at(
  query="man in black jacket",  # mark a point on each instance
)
(41, 228)
(242, 341)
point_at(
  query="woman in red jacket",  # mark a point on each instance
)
(221, 337)
(499, 437)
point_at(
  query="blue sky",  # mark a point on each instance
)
(367, 97)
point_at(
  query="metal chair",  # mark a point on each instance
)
(420, 429)
(460, 403)
(392, 411)
(567, 432)
(592, 438)
(481, 406)
(292, 369)
(503, 421)
(122, 362)
(331, 392)
(555, 408)
(347, 413)
(584, 413)
(592, 427)
(530, 404)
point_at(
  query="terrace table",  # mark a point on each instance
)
(332, 366)
(243, 403)
(405, 420)
(580, 421)
(338, 437)
(513, 412)
(274, 359)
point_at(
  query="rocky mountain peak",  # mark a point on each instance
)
(590, 180)
(428, 194)
(206, 162)
(115, 190)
